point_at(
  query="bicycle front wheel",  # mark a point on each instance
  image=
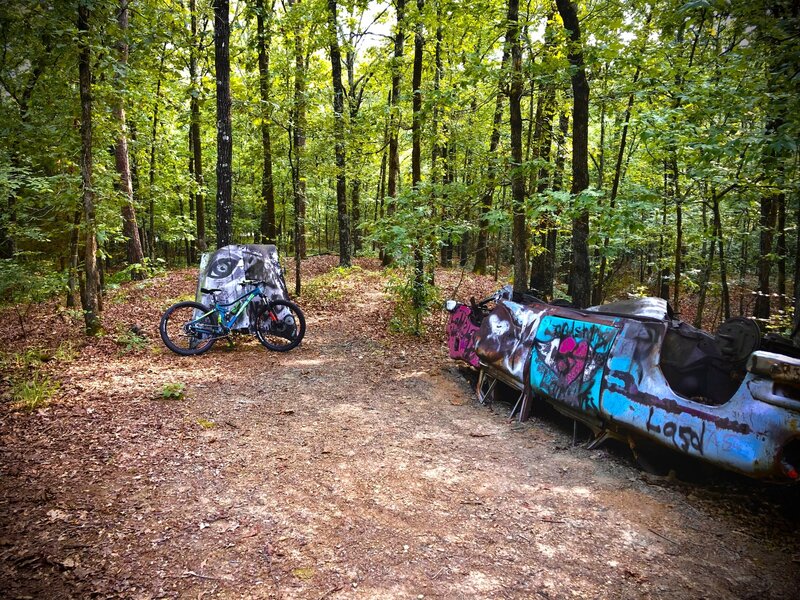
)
(188, 328)
(280, 325)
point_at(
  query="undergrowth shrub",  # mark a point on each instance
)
(173, 391)
(131, 341)
(330, 286)
(413, 301)
(34, 393)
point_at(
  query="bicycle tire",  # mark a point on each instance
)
(280, 325)
(174, 333)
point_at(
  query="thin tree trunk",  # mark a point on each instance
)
(72, 282)
(582, 277)
(766, 231)
(438, 149)
(723, 268)
(194, 133)
(542, 266)
(338, 120)
(482, 250)
(676, 289)
(394, 117)
(130, 230)
(91, 306)
(299, 142)
(416, 156)
(152, 170)
(519, 233)
(267, 231)
(599, 294)
(780, 250)
(222, 67)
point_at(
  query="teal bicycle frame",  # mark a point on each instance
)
(225, 318)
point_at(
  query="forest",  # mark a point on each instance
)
(599, 149)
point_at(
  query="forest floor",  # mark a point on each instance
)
(359, 465)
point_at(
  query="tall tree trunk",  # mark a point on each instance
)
(90, 297)
(338, 133)
(723, 267)
(665, 272)
(299, 142)
(74, 259)
(437, 148)
(780, 250)
(267, 231)
(582, 277)
(222, 67)
(542, 266)
(708, 248)
(558, 183)
(599, 292)
(194, 133)
(416, 155)
(796, 318)
(482, 250)
(152, 170)
(355, 95)
(130, 229)
(766, 231)
(394, 116)
(676, 288)
(519, 233)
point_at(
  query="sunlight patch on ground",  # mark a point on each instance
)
(309, 362)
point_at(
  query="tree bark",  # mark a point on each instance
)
(599, 293)
(767, 227)
(482, 250)
(299, 142)
(394, 117)
(582, 277)
(130, 229)
(222, 67)
(519, 233)
(416, 153)
(723, 267)
(152, 168)
(90, 297)
(338, 132)
(780, 250)
(267, 232)
(542, 266)
(194, 133)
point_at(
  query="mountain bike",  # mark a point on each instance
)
(191, 328)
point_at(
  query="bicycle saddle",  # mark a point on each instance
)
(210, 291)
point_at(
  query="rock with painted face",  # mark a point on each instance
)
(227, 267)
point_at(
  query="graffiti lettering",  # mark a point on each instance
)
(569, 360)
(687, 436)
(461, 332)
(650, 426)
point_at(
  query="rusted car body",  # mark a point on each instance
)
(629, 370)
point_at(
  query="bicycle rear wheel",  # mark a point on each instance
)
(187, 328)
(280, 325)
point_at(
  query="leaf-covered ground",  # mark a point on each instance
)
(358, 465)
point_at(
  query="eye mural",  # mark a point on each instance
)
(226, 268)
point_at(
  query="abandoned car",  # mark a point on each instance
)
(631, 371)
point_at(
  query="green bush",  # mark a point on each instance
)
(33, 393)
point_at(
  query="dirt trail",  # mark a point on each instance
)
(356, 466)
